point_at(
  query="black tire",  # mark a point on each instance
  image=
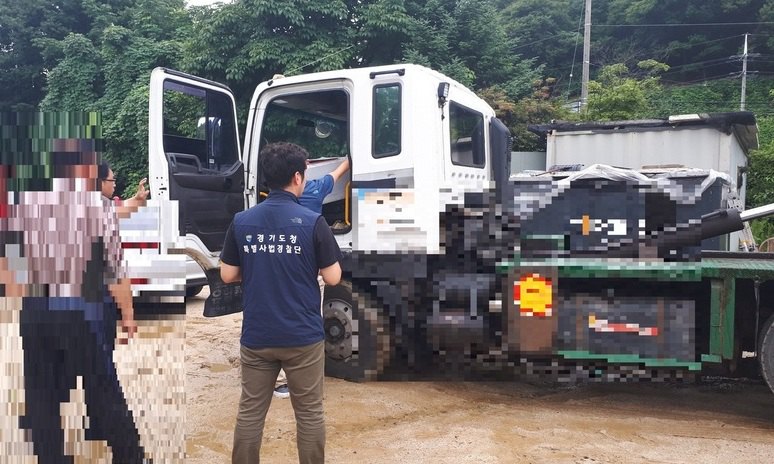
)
(193, 291)
(355, 352)
(766, 352)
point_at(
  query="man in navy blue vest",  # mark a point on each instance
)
(314, 194)
(276, 249)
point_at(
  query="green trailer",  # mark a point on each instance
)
(708, 315)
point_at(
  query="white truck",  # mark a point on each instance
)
(394, 123)
(447, 261)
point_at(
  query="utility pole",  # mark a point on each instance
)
(586, 55)
(744, 74)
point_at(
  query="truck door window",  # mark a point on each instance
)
(317, 121)
(386, 121)
(466, 129)
(198, 130)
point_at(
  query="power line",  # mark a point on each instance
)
(711, 60)
(707, 63)
(704, 79)
(678, 69)
(683, 24)
(691, 45)
(538, 41)
(730, 104)
(336, 52)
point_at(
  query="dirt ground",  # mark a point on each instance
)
(492, 422)
(193, 413)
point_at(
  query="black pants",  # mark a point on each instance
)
(63, 338)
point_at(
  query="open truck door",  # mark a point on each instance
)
(195, 160)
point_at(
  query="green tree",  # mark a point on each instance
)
(382, 30)
(32, 34)
(550, 31)
(618, 94)
(536, 108)
(760, 178)
(674, 45)
(73, 83)
(109, 69)
(715, 96)
(249, 41)
(468, 41)
(431, 29)
(766, 14)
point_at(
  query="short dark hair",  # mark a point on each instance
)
(103, 169)
(280, 162)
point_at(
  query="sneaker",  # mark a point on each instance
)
(282, 391)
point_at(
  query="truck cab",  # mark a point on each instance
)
(405, 128)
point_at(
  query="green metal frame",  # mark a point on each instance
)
(722, 274)
(631, 359)
(577, 268)
(722, 312)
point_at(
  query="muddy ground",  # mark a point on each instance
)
(718, 421)
(192, 411)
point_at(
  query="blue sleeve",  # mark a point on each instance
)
(326, 185)
(315, 192)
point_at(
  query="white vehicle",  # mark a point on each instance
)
(417, 141)
(358, 113)
(447, 261)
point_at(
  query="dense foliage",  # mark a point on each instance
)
(650, 58)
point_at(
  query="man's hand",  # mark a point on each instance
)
(122, 295)
(340, 170)
(142, 192)
(128, 328)
(133, 204)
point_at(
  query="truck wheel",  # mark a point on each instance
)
(357, 335)
(766, 352)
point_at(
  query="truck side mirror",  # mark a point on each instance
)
(443, 93)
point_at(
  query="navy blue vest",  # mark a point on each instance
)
(275, 240)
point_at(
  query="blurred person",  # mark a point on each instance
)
(107, 186)
(61, 253)
(122, 289)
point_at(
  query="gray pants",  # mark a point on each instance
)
(281, 379)
(305, 369)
